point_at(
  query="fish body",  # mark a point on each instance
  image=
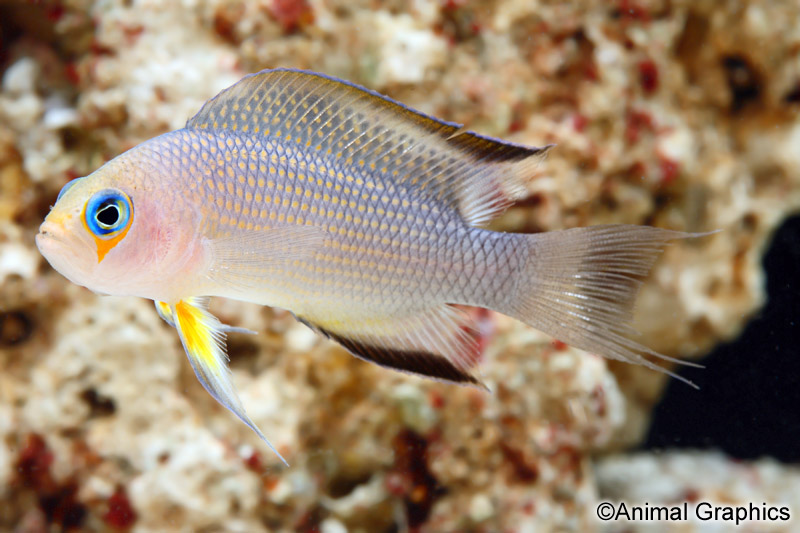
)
(359, 215)
(365, 240)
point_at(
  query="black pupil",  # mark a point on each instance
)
(108, 214)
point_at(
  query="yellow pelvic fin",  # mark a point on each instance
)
(203, 338)
(165, 312)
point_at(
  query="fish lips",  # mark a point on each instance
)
(63, 254)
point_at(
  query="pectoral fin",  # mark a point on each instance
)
(245, 260)
(203, 338)
(165, 312)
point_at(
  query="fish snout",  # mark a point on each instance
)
(50, 231)
(44, 236)
(43, 230)
(55, 223)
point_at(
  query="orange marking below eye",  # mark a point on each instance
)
(105, 245)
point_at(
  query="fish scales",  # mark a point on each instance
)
(362, 217)
(244, 184)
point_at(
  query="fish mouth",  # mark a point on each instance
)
(63, 254)
(48, 234)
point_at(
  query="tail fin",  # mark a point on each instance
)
(580, 286)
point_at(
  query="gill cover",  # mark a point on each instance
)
(107, 216)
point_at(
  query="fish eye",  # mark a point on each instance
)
(108, 212)
(66, 187)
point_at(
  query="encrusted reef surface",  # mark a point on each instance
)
(682, 114)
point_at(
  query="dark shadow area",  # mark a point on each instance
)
(748, 404)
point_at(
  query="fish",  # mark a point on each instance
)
(364, 218)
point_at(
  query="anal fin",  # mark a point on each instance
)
(203, 339)
(435, 343)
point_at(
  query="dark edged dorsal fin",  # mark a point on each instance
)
(434, 344)
(378, 137)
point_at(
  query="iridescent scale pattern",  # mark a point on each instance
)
(388, 248)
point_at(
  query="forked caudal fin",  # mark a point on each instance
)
(203, 338)
(580, 286)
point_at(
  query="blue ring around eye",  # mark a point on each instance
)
(108, 212)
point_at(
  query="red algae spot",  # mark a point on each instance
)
(480, 322)
(517, 123)
(33, 464)
(648, 76)
(669, 170)
(635, 123)
(436, 399)
(537, 199)
(558, 345)
(629, 10)
(599, 397)
(412, 479)
(691, 495)
(637, 170)
(476, 400)
(253, 462)
(590, 71)
(450, 5)
(568, 461)
(459, 21)
(310, 520)
(523, 471)
(120, 514)
(225, 18)
(485, 327)
(292, 14)
(132, 33)
(83, 456)
(396, 483)
(269, 482)
(72, 74)
(97, 48)
(509, 422)
(54, 12)
(57, 500)
(579, 122)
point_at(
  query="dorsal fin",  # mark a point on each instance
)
(381, 138)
